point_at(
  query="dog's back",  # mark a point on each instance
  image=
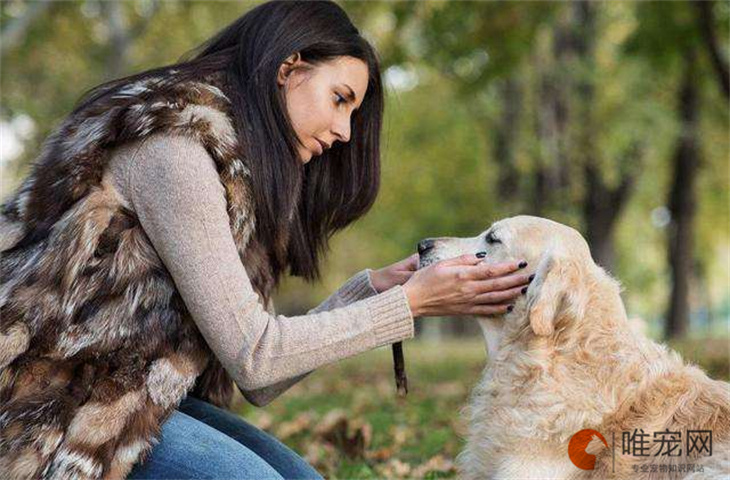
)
(674, 409)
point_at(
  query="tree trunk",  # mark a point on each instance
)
(682, 200)
(506, 140)
(603, 206)
(709, 36)
(551, 174)
(122, 35)
(119, 40)
(602, 202)
(600, 215)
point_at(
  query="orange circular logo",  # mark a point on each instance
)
(584, 446)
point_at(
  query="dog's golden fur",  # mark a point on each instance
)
(566, 359)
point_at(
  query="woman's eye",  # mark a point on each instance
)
(340, 99)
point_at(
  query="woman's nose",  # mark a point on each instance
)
(425, 245)
(341, 129)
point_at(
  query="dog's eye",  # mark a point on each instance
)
(490, 238)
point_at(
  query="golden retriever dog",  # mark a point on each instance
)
(566, 359)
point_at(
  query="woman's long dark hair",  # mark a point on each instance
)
(332, 190)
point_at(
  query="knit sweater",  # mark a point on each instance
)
(171, 183)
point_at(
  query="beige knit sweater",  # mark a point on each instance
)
(172, 184)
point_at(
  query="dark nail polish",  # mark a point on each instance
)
(510, 308)
(481, 254)
(524, 290)
(522, 264)
(531, 278)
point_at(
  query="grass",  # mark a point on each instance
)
(346, 420)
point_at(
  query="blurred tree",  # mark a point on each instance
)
(568, 110)
(122, 34)
(603, 202)
(708, 30)
(15, 30)
(672, 37)
(569, 163)
(682, 200)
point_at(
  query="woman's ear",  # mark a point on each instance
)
(289, 65)
(557, 289)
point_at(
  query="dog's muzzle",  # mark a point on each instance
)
(425, 252)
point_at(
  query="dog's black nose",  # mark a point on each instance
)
(425, 245)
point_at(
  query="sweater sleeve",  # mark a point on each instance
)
(356, 288)
(174, 188)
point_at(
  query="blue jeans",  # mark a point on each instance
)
(200, 440)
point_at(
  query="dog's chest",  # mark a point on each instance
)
(529, 465)
(493, 331)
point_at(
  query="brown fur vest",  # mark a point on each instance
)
(96, 346)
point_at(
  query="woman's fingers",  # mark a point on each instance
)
(482, 310)
(501, 296)
(466, 260)
(501, 283)
(411, 263)
(465, 285)
(485, 270)
(402, 276)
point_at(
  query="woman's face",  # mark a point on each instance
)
(320, 100)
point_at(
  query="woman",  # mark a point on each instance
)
(140, 254)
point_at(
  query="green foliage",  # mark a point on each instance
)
(476, 42)
(441, 175)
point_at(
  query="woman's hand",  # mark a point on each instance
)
(465, 285)
(395, 274)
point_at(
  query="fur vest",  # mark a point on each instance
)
(97, 347)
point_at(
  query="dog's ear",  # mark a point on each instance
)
(557, 289)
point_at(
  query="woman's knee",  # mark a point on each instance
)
(191, 449)
(282, 458)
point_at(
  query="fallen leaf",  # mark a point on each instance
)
(298, 425)
(394, 469)
(351, 437)
(439, 463)
(380, 455)
(400, 434)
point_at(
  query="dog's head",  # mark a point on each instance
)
(557, 255)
